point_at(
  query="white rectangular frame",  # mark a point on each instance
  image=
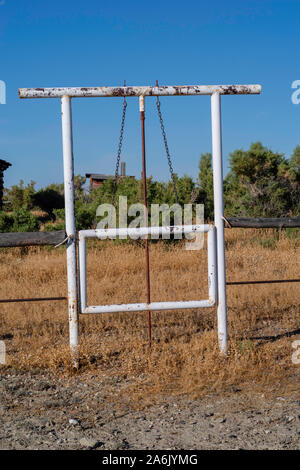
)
(142, 232)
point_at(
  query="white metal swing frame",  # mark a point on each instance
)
(141, 232)
(219, 273)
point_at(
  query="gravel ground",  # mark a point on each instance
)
(43, 411)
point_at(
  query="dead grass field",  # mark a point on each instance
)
(263, 320)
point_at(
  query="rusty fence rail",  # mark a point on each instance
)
(262, 222)
(268, 281)
(33, 299)
(19, 239)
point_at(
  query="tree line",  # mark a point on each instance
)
(259, 183)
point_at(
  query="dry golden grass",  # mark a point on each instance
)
(263, 320)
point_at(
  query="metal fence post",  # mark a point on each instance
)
(67, 140)
(219, 214)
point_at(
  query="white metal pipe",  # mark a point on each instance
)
(219, 221)
(102, 234)
(212, 272)
(142, 307)
(212, 263)
(181, 90)
(67, 141)
(142, 103)
(82, 272)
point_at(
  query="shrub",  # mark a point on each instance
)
(24, 221)
(85, 217)
(6, 222)
(20, 195)
(48, 200)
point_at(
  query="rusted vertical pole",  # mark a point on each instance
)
(142, 112)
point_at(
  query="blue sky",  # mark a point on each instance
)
(90, 43)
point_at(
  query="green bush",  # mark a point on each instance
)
(6, 222)
(85, 217)
(24, 221)
(19, 196)
(260, 183)
(48, 200)
(52, 226)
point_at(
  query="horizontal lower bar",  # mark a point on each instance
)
(271, 281)
(143, 231)
(152, 306)
(15, 239)
(34, 299)
(266, 222)
(184, 90)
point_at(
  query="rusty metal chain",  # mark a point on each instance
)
(167, 149)
(119, 150)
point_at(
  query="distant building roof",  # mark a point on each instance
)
(98, 176)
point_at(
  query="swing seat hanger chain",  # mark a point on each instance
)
(162, 126)
(119, 148)
(164, 136)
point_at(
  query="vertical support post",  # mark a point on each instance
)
(219, 214)
(67, 140)
(212, 263)
(82, 273)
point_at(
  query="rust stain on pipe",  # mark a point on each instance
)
(128, 91)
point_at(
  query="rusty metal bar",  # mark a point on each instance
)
(181, 90)
(271, 281)
(34, 299)
(142, 113)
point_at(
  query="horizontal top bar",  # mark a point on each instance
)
(77, 92)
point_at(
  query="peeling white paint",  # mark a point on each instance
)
(181, 90)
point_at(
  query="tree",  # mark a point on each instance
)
(20, 196)
(185, 186)
(79, 182)
(295, 165)
(48, 199)
(259, 184)
(206, 190)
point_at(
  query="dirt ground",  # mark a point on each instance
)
(45, 411)
(183, 395)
